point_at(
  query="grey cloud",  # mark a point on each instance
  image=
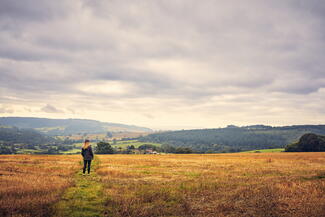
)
(189, 51)
(25, 52)
(32, 9)
(51, 109)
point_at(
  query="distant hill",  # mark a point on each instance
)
(14, 135)
(233, 138)
(27, 140)
(308, 143)
(69, 126)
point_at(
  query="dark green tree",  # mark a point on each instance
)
(183, 150)
(308, 143)
(147, 146)
(131, 147)
(104, 148)
(168, 148)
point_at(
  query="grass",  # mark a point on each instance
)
(265, 150)
(72, 151)
(136, 143)
(30, 184)
(242, 184)
(29, 151)
(84, 199)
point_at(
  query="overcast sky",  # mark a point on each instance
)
(167, 64)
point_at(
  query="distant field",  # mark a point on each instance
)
(76, 150)
(241, 184)
(79, 144)
(47, 129)
(103, 136)
(28, 151)
(136, 143)
(120, 135)
(265, 150)
(97, 136)
(72, 151)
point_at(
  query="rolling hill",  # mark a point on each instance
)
(13, 135)
(234, 139)
(69, 126)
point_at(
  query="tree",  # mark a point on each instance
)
(147, 146)
(183, 150)
(104, 148)
(6, 150)
(307, 143)
(168, 148)
(131, 147)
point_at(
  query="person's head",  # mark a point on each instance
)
(86, 144)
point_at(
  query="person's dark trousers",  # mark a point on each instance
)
(87, 162)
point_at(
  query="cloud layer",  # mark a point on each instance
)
(164, 64)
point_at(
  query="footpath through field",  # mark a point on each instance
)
(85, 198)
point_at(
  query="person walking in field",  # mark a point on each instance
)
(87, 154)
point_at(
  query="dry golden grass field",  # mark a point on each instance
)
(265, 184)
(244, 184)
(31, 184)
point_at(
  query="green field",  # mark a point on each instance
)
(135, 143)
(265, 150)
(72, 151)
(28, 151)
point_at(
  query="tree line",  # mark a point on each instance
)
(106, 148)
(232, 138)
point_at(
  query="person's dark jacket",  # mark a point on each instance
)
(87, 153)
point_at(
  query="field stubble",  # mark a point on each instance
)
(244, 184)
(30, 185)
(264, 184)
